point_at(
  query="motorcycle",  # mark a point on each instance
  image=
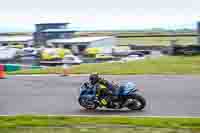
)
(126, 96)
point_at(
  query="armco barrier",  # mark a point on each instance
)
(12, 67)
(35, 67)
(16, 67)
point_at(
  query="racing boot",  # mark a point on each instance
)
(103, 102)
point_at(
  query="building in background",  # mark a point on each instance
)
(78, 45)
(48, 31)
(59, 35)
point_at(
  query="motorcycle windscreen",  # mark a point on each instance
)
(126, 88)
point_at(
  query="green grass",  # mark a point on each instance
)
(62, 121)
(163, 65)
(161, 41)
(151, 40)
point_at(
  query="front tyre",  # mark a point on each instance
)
(137, 102)
(87, 104)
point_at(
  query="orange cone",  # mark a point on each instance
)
(66, 70)
(2, 75)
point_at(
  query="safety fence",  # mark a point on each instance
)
(16, 67)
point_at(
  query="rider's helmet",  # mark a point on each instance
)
(94, 78)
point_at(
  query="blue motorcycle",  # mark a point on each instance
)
(126, 96)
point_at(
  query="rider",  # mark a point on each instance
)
(105, 88)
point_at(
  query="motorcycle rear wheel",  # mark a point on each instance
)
(138, 102)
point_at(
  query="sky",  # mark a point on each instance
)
(100, 14)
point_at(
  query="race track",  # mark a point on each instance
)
(56, 95)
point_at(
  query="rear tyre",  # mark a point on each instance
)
(137, 102)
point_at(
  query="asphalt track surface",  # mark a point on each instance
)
(56, 95)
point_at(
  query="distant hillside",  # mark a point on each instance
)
(138, 33)
(124, 33)
(16, 34)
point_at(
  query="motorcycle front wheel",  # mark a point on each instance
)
(137, 102)
(89, 105)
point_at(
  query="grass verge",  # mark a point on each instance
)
(163, 65)
(61, 121)
(97, 130)
(153, 41)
